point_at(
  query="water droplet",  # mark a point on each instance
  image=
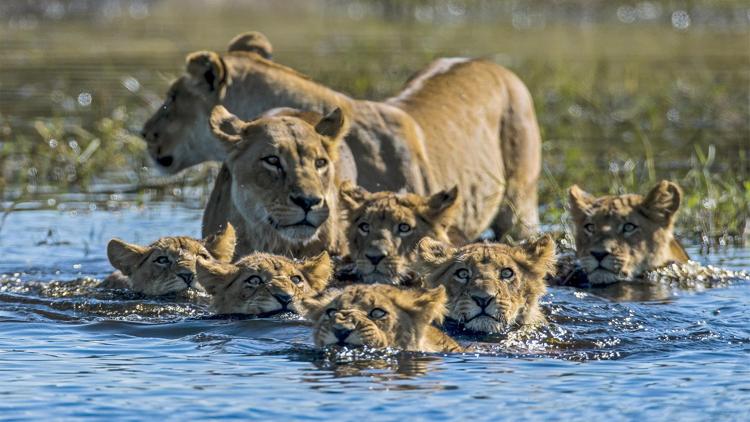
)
(84, 99)
(680, 20)
(131, 84)
(52, 143)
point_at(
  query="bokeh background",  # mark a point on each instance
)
(626, 92)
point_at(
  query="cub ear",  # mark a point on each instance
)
(125, 256)
(221, 244)
(433, 251)
(253, 42)
(351, 195)
(313, 306)
(442, 205)
(662, 203)
(540, 255)
(334, 126)
(580, 202)
(317, 270)
(226, 126)
(214, 276)
(206, 70)
(427, 305)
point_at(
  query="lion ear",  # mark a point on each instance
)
(580, 202)
(214, 276)
(317, 270)
(221, 244)
(442, 205)
(427, 305)
(540, 255)
(662, 203)
(433, 251)
(253, 42)
(333, 126)
(125, 256)
(206, 70)
(226, 126)
(351, 195)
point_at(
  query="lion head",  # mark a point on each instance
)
(491, 287)
(384, 227)
(262, 284)
(168, 265)
(377, 315)
(620, 237)
(177, 134)
(282, 168)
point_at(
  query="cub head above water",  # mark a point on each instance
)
(491, 287)
(284, 186)
(168, 265)
(384, 228)
(618, 238)
(380, 316)
(262, 284)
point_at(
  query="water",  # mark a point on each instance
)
(70, 350)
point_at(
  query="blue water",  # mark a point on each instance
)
(68, 349)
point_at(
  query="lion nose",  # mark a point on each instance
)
(482, 301)
(375, 259)
(599, 255)
(341, 333)
(305, 202)
(186, 277)
(165, 161)
(283, 298)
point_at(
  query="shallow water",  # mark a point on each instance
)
(69, 349)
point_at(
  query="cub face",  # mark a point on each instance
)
(384, 228)
(491, 287)
(262, 284)
(282, 169)
(377, 315)
(168, 265)
(618, 238)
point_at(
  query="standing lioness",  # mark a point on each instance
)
(463, 122)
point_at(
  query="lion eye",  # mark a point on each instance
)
(506, 273)
(404, 228)
(320, 163)
(629, 228)
(272, 160)
(254, 280)
(162, 260)
(589, 228)
(378, 313)
(296, 279)
(331, 312)
(462, 274)
(364, 228)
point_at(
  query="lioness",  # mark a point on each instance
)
(383, 228)
(381, 316)
(167, 265)
(618, 238)
(262, 284)
(491, 287)
(458, 121)
(283, 195)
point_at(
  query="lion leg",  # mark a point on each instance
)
(521, 145)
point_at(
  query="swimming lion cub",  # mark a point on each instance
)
(167, 265)
(380, 316)
(491, 287)
(618, 238)
(262, 284)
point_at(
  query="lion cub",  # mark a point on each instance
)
(384, 228)
(491, 287)
(262, 284)
(381, 316)
(618, 238)
(167, 265)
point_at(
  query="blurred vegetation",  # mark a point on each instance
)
(626, 92)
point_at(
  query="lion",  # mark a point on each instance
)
(282, 190)
(167, 265)
(380, 316)
(619, 238)
(383, 228)
(262, 284)
(492, 288)
(459, 121)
